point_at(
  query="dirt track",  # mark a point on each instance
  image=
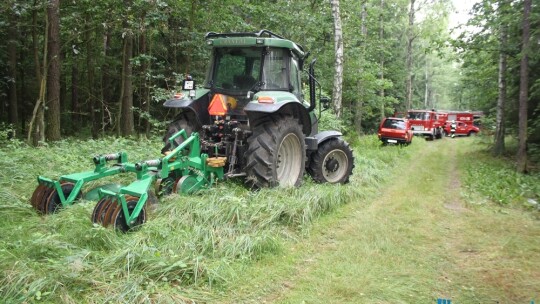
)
(417, 242)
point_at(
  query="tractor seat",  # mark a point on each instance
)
(244, 82)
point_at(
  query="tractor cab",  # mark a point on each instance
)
(244, 64)
(238, 70)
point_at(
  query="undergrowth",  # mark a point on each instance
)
(188, 244)
(496, 179)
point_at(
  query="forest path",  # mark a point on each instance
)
(418, 241)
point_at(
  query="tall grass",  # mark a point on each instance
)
(188, 243)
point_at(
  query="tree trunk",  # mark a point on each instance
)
(36, 127)
(426, 88)
(52, 114)
(75, 107)
(523, 89)
(361, 90)
(145, 91)
(125, 119)
(12, 55)
(92, 99)
(498, 147)
(381, 62)
(409, 59)
(106, 95)
(338, 66)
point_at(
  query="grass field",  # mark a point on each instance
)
(187, 246)
(421, 238)
(378, 239)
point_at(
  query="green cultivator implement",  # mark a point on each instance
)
(249, 119)
(184, 170)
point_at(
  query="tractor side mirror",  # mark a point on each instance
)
(325, 103)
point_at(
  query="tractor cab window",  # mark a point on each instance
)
(274, 76)
(296, 89)
(236, 69)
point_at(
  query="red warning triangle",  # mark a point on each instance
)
(218, 106)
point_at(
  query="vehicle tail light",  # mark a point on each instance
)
(266, 99)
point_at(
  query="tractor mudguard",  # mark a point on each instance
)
(283, 103)
(312, 143)
(198, 105)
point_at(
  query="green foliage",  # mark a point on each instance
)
(497, 180)
(480, 50)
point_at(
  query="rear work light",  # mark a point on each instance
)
(266, 99)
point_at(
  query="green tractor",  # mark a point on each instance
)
(248, 120)
(251, 109)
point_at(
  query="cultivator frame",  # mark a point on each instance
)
(184, 169)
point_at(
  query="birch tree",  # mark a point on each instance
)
(338, 64)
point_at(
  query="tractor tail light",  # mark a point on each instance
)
(266, 99)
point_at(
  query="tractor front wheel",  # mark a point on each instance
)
(277, 153)
(332, 163)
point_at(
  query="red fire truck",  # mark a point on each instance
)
(427, 123)
(466, 117)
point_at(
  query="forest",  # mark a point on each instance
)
(90, 68)
(455, 218)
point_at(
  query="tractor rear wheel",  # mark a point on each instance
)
(186, 121)
(276, 154)
(332, 163)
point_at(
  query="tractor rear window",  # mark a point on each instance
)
(394, 124)
(237, 68)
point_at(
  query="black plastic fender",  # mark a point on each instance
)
(294, 108)
(199, 106)
(313, 142)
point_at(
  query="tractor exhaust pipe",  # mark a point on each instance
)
(312, 81)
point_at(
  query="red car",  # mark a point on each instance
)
(395, 130)
(462, 129)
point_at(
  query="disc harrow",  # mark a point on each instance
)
(183, 170)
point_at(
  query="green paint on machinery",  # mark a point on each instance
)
(184, 170)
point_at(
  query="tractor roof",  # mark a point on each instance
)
(257, 39)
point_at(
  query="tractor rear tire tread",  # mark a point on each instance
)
(185, 121)
(262, 154)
